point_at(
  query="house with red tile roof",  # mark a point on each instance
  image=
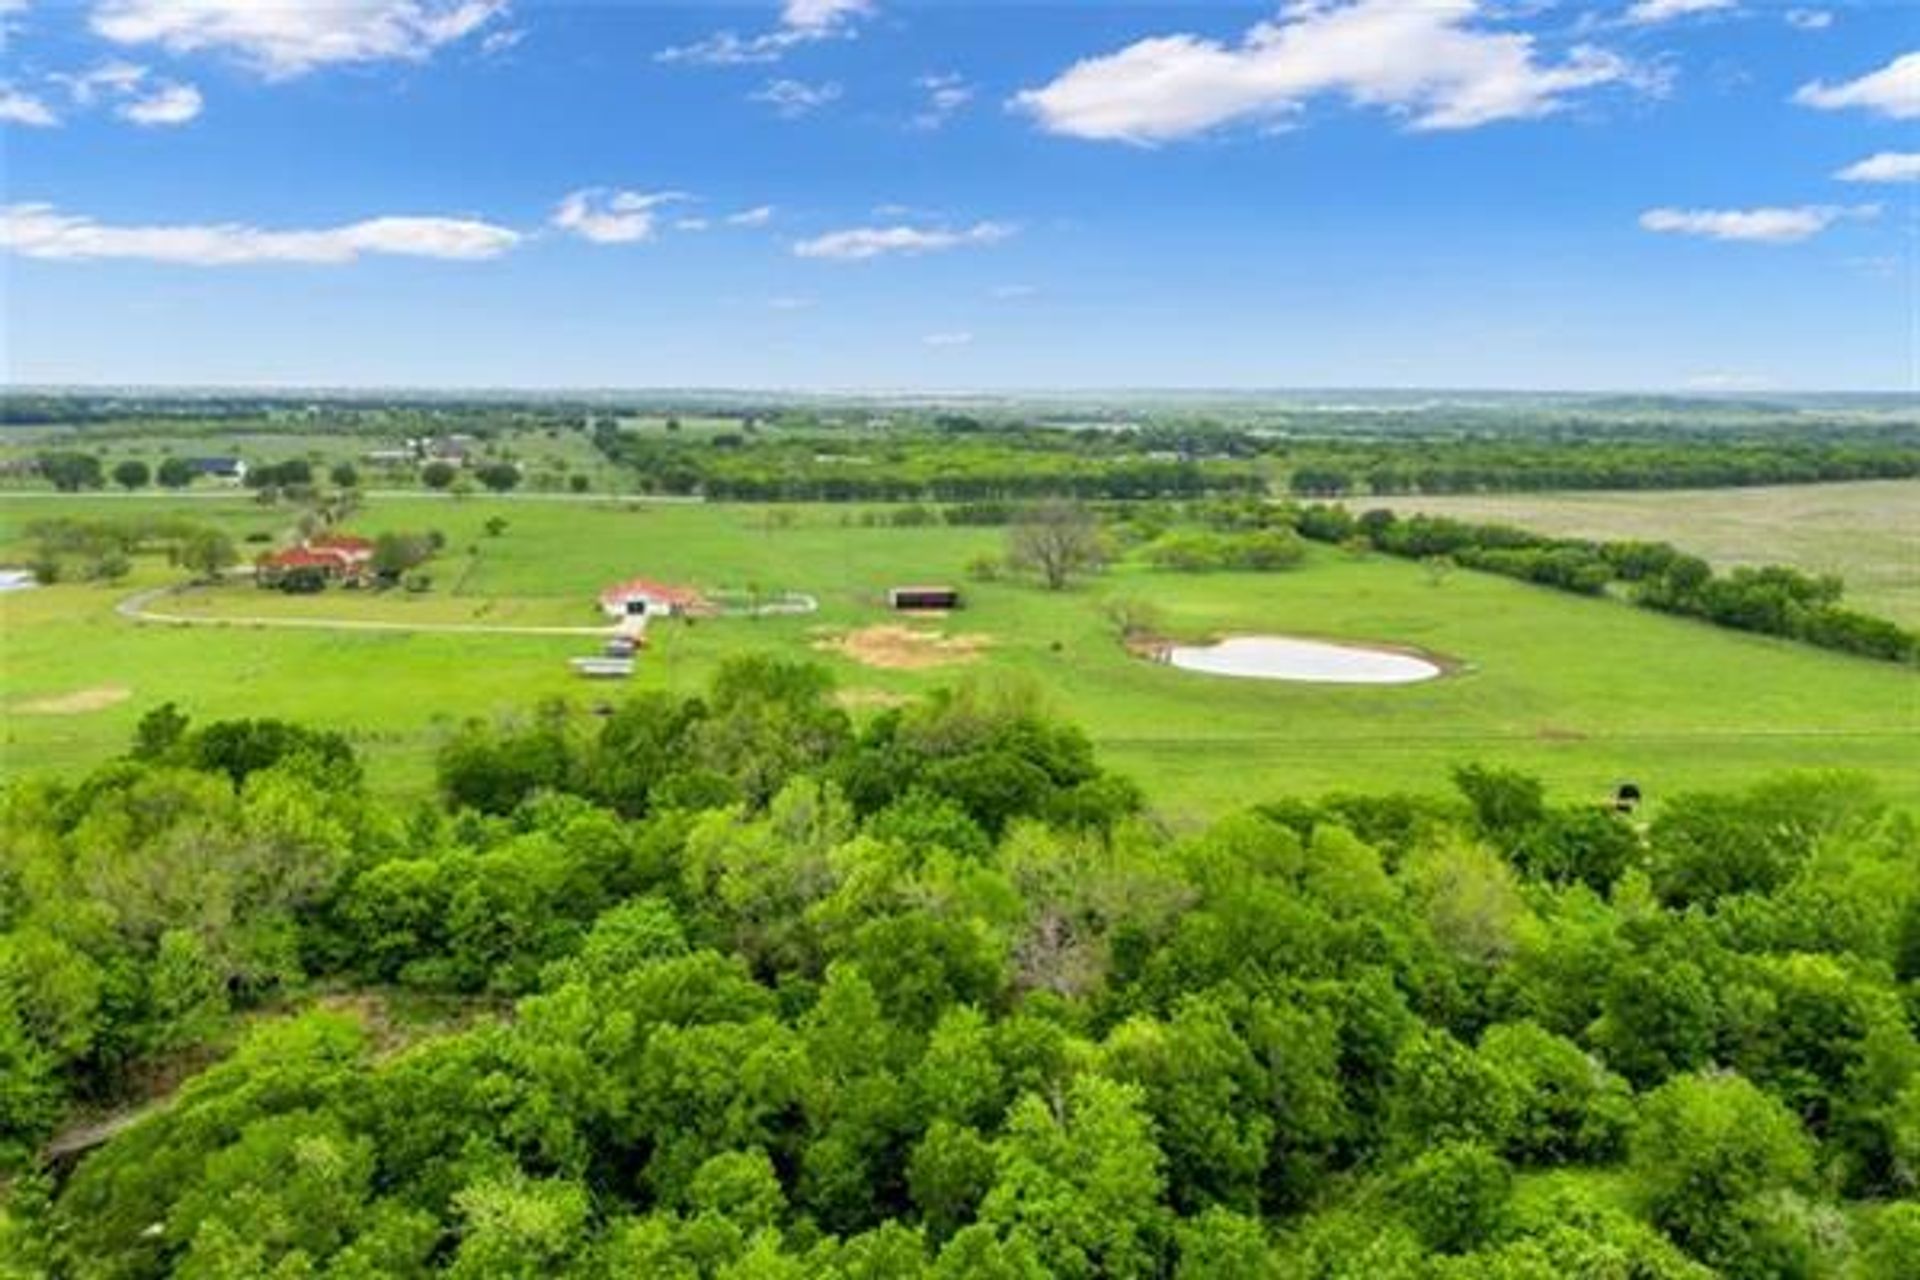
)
(643, 597)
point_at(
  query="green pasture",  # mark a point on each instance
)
(1583, 692)
(1867, 532)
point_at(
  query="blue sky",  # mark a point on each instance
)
(1669, 194)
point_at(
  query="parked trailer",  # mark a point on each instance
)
(598, 668)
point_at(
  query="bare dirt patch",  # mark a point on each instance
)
(894, 648)
(77, 703)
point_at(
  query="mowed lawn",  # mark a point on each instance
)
(1867, 532)
(1583, 692)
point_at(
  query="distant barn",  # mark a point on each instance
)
(939, 598)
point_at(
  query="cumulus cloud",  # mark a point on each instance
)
(612, 217)
(168, 104)
(23, 108)
(281, 39)
(758, 216)
(802, 22)
(1427, 61)
(134, 94)
(1893, 90)
(109, 79)
(791, 99)
(946, 94)
(955, 338)
(1787, 225)
(856, 243)
(1647, 13)
(807, 15)
(42, 231)
(1886, 166)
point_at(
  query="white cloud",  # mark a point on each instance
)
(956, 338)
(42, 231)
(23, 108)
(856, 243)
(1648, 13)
(801, 22)
(1809, 19)
(1423, 60)
(612, 217)
(1886, 166)
(1787, 225)
(758, 216)
(809, 15)
(113, 78)
(692, 224)
(946, 94)
(1893, 90)
(499, 42)
(791, 99)
(282, 38)
(169, 103)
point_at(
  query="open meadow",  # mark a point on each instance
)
(1583, 692)
(1867, 532)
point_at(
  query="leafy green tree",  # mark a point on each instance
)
(70, 471)
(1453, 1195)
(1082, 1184)
(344, 475)
(1706, 1152)
(1204, 1089)
(132, 474)
(174, 473)
(438, 474)
(208, 553)
(498, 476)
(519, 1228)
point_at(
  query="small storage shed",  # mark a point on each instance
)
(930, 598)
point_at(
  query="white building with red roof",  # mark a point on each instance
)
(645, 598)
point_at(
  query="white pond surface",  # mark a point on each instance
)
(1314, 661)
(16, 580)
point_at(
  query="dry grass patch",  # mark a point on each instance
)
(896, 648)
(77, 703)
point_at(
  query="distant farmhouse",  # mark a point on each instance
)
(332, 559)
(232, 470)
(645, 598)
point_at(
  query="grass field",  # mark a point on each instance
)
(1584, 692)
(1866, 532)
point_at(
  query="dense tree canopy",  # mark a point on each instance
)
(745, 989)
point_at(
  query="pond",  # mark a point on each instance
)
(16, 579)
(1314, 661)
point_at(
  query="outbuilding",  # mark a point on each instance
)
(935, 599)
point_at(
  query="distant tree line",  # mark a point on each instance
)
(1774, 600)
